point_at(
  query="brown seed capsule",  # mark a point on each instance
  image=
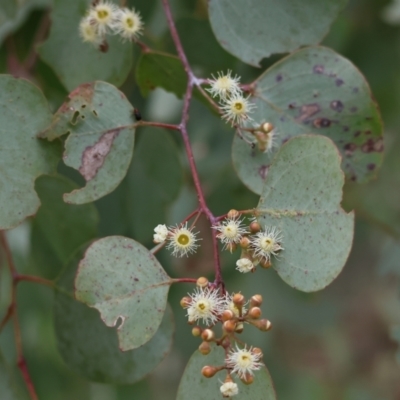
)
(238, 299)
(255, 227)
(256, 300)
(185, 302)
(264, 325)
(255, 312)
(239, 328)
(233, 214)
(202, 282)
(244, 242)
(266, 263)
(196, 331)
(209, 371)
(227, 315)
(248, 379)
(267, 127)
(205, 348)
(229, 326)
(208, 335)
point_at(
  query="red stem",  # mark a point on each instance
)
(192, 80)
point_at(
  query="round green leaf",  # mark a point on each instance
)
(254, 29)
(75, 62)
(195, 386)
(91, 349)
(161, 70)
(98, 118)
(58, 227)
(315, 91)
(9, 390)
(23, 113)
(301, 197)
(126, 283)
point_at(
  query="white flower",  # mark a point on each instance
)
(243, 361)
(244, 265)
(103, 16)
(266, 138)
(237, 108)
(230, 305)
(224, 86)
(229, 389)
(267, 243)
(230, 231)
(182, 241)
(161, 233)
(206, 305)
(128, 24)
(88, 32)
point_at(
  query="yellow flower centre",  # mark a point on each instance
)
(202, 306)
(230, 231)
(183, 239)
(238, 106)
(245, 360)
(223, 83)
(129, 22)
(267, 244)
(102, 14)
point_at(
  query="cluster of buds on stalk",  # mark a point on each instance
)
(258, 245)
(230, 313)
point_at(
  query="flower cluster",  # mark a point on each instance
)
(209, 306)
(258, 246)
(104, 17)
(235, 108)
(181, 239)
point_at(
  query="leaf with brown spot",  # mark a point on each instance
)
(125, 282)
(98, 118)
(309, 97)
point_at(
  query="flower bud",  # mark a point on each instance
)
(255, 227)
(264, 325)
(185, 302)
(255, 312)
(233, 214)
(265, 263)
(202, 282)
(205, 348)
(256, 300)
(244, 242)
(238, 300)
(257, 350)
(209, 371)
(196, 331)
(208, 335)
(239, 328)
(229, 326)
(227, 315)
(267, 127)
(248, 379)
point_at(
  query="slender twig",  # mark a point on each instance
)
(35, 279)
(183, 280)
(158, 125)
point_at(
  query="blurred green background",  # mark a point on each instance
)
(337, 344)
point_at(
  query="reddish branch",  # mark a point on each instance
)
(192, 80)
(12, 312)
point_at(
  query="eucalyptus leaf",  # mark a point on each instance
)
(161, 70)
(254, 29)
(301, 198)
(314, 91)
(195, 386)
(76, 62)
(23, 113)
(98, 118)
(7, 385)
(124, 281)
(91, 349)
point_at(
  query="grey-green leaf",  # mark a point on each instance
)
(315, 91)
(254, 29)
(23, 113)
(8, 386)
(91, 349)
(75, 62)
(98, 118)
(195, 386)
(301, 197)
(125, 282)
